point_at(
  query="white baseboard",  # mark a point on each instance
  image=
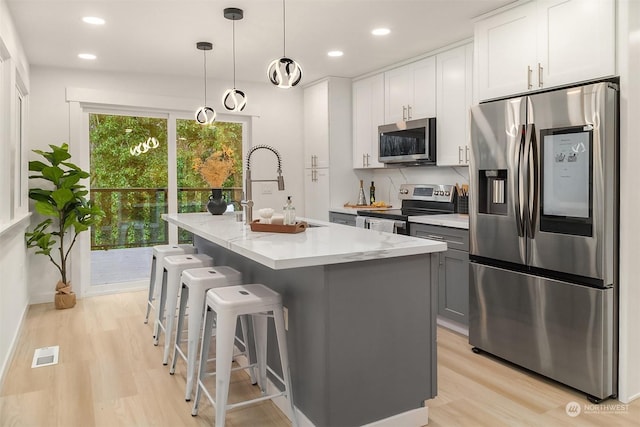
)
(454, 326)
(12, 347)
(116, 288)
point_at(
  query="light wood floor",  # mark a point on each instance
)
(110, 374)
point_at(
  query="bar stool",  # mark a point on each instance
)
(226, 304)
(195, 284)
(173, 266)
(159, 252)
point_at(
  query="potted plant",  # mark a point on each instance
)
(215, 170)
(69, 212)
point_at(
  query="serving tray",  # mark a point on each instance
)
(299, 227)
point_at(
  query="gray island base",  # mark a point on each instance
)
(361, 333)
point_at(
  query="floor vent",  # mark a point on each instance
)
(45, 356)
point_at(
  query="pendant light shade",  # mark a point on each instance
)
(205, 115)
(234, 99)
(284, 72)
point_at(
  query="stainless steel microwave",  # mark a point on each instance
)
(412, 142)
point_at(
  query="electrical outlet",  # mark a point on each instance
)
(286, 318)
(266, 189)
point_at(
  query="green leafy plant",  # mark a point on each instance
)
(66, 205)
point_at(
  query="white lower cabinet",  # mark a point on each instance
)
(317, 194)
(454, 87)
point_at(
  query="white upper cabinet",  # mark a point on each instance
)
(410, 91)
(454, 83)
(505, 52)
(316, 125)
(576, 40)
(543, 44)
(368, 114)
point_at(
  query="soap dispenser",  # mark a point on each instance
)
(289, 213)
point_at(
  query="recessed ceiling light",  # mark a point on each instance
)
(335, 53)
(380, 31)
(86, 56)
(93, 20)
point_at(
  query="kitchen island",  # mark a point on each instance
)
(361, 314)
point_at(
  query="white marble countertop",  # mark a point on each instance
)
(444, 220)
(327, 244)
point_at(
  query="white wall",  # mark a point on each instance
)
(629, 68)
(278, 122)
(13, 286)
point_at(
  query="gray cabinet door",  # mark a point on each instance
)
(453, 286)
(453, 270)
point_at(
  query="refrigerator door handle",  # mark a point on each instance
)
(519, 199)
(531, 153)
(531, 177)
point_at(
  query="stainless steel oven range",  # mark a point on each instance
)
(417, 199)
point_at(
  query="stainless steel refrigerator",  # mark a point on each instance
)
(544, 234)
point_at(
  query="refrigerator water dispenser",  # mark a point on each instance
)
(492, 194)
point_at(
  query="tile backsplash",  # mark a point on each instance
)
(387, 181)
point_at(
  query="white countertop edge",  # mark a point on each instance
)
(446, 220)
(237, 245)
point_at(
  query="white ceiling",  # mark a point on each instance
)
(159, 36)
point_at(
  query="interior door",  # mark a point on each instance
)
(573, 221)
(496, 207)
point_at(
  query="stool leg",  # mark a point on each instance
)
(184, 297)
(278, 317)
(172, 304)
(196, 308)
(152, 285)
(260, 338)
(225, 338)
(204, 355)
(163, 302)
(245, 340)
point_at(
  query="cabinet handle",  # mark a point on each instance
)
(466, 154)
(404, 113)
(529, 72)
(433, 237)
(409, 112)
(363, 161)
(459, 154)
(368, 159)
(540, 75)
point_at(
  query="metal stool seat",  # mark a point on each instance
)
(172, 268)
(155, 278)
(195, 284)
(226, 304)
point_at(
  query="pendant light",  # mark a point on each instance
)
(284, 72)
(234, 99)
(205, 115)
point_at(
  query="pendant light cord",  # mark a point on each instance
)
(234, 52)
(284, 31)
(204, 52)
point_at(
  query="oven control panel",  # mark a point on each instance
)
(428, 192)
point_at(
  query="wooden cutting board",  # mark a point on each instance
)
(348, 205)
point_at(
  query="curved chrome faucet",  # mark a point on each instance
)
(247, 202)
